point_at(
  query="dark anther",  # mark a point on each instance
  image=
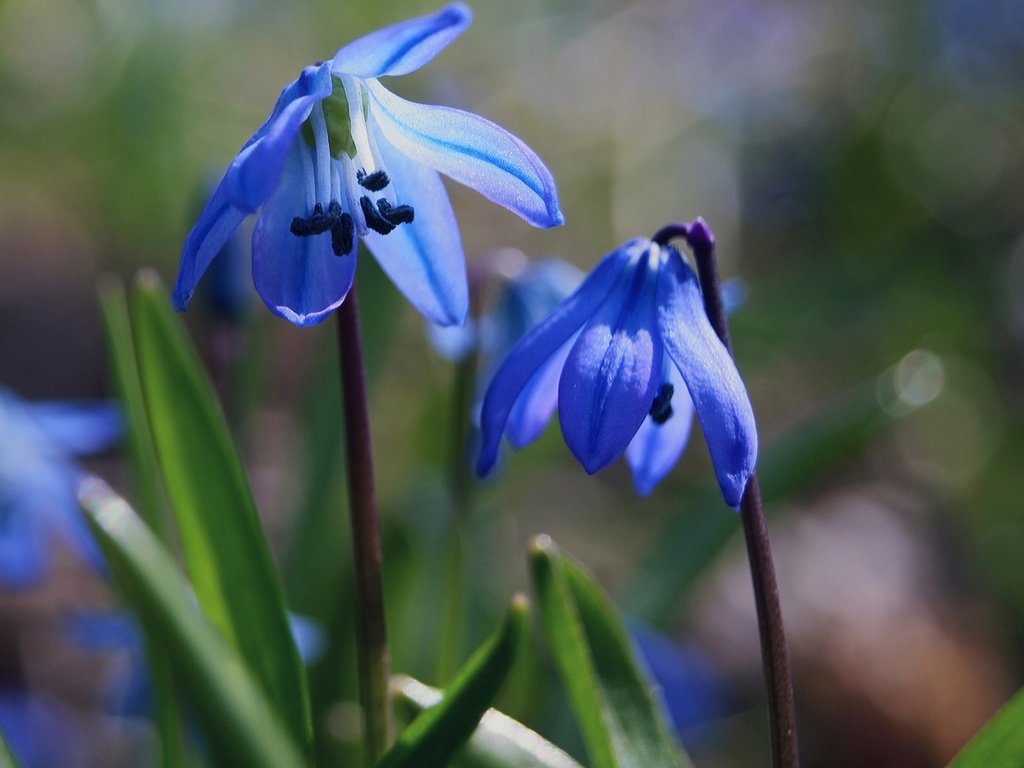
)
(342, 234)
(401, 214)
(374, 182)
(661, 408)
(318, 223)
(374, 219)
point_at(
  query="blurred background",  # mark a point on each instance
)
(861, 164)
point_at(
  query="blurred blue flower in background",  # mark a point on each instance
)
(37, 477)
(606, 346)
(39, 731)
(690, 685)
(341, 157)
(128, 690)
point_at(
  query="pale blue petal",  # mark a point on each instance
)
(310, 638)
(24, 554)
(249, 180)
(535, 404)
(423, 258)
(471, 150)
(80, 428)
(718, 394)
(299, 278)
(655, 448)
(538, 346)
(612, 373)
(403, 47)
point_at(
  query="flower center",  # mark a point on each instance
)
(661, 408)
(348, 191)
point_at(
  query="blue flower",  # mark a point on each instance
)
(341, 158)
(37, 477)
(634, 357)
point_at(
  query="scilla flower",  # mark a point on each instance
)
(628, 347)
(37, 476)
(342, 158)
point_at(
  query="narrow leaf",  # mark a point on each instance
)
(441, 730)
(239, 724)
(225, 552)
(1000, 743)
(622, 724)
(498, 741)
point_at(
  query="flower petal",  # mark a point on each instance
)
(538, 346)
(612, 373)
(473, 151)
(299, 278)
(404, 47)
(80, 428)
(255, 171)
(216, 224)
(535, 404)
(718, 394)
(249, 180)
(655, 448)
(423, 258)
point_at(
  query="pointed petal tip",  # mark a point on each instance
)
(303, 320)
(457, 13)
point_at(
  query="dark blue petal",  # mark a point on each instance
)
(404, 47)
(81, 428)
(473, 151)
(299, 278)
(24, 554)
(537, 346)
(612, 373)
(423, 258)
(249, 180)
(535, 404)
(655, 448)
(216, 224)
(718, 394)
(255, 171)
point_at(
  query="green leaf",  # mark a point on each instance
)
(146, 474)
(125, 375)
(621, 723)
(1000, 743)
(437, 734)
(225, 552)
(498, 741)
(690, 541)
(239, 724)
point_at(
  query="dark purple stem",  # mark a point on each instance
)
(371, 631)
(774, 656)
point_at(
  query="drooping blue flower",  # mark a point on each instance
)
(342, 158)
(634, 356)
(37, 476)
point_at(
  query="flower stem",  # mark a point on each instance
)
(371, 632)
(774, 656)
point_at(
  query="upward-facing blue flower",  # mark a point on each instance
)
(342, 158)
(627, 347)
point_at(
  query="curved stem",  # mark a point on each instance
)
(371, 632)
(774, 655)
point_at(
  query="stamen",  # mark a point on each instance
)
(342, 235)
(374, 182)
(374, 219)
(322, 148)
(661, 408)
(402, 214)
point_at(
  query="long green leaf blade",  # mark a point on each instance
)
(239, 724)
(498, 741)
(621, 723)
(1000, 743)
(433, 737)
(226, 553)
